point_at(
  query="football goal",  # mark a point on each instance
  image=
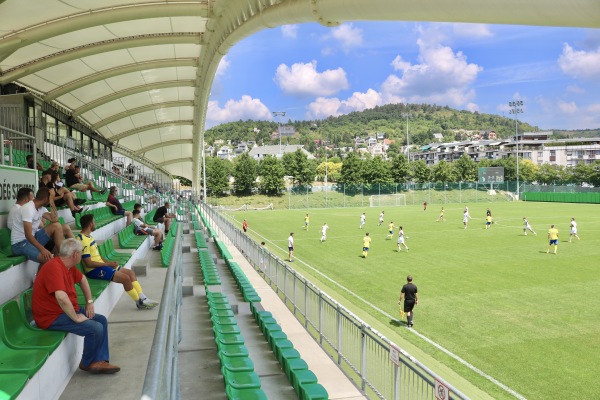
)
(382, 200)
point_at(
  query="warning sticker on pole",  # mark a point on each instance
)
(441, 391)
(395, 355)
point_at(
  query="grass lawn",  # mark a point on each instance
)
(494, 298)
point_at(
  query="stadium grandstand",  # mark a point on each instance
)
(120, 89)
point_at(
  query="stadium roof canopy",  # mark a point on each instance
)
(140, 72)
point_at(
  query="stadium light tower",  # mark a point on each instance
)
(407, 115)
(275, 115)
(516, 110)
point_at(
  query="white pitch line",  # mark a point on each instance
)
(438, 346)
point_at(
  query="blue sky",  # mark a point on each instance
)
(310, 71)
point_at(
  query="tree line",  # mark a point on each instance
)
(267, 176)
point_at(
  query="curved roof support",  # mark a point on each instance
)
(129, 92)
(112, 72)
(162, 144)
(24, 37)
(12, 74)
(138, 110)
(175, 161)
(159, 125)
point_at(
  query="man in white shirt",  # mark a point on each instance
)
(291, 246)
(26, 236)
(573, 230)
(141, 228)
(24, 196)
(324, 232)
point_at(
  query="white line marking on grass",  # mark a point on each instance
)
(436, 345)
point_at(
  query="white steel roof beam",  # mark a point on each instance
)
(90, 49)
(128, 92)
(175, 161)
(162, 144)
(159, 125)
(13, 41)
(138, 110)
(112, 72)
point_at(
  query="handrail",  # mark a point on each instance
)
(162, 375)
(374, 346)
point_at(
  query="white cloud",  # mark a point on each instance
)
(575, 89)
(580, 63)
(304, 80)
(289, 31)
(472, 30)
(223, 66)
(234, 110)
(324, 107)
(568, 108)
(348, 36)
(472, 107)
(441, 76)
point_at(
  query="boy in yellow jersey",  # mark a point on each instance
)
(391, 227)
(306, 222)
(366, 245)
(553, 239)
(441, 217)
(97, 267)
(488, 222)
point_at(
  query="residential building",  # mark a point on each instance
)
(259, 152)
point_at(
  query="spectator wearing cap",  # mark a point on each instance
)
(75, 181)
(70, 164)
(115, 205)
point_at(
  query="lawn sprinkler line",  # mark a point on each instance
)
(438, 346)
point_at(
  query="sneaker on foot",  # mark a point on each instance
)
(103, 191)
(146, 304)
(79, 202)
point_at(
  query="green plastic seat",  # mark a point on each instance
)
(293, 364)
(229, 338)
(313, 391)
(241, 380)
(237, 364)
(19, 335)
(221, 313)
(279, 345)
(226, 329)
(23, 361)
(11, 385)
(245, 394)
(302, 377)
(233, 350)
(223, 320)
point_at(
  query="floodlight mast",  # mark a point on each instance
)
(275, 115)
(407, 115)
(516, 110)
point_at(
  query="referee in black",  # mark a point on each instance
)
(411, 299)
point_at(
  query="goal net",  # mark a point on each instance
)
(382, 200)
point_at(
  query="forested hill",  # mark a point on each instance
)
(424, 121)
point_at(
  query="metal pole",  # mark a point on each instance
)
(516, 110)
(279, 114)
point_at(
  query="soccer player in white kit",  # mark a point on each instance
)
(527, 227)
(324, 232)
(573, 231)
(466, 217)
(363, 217)
(401, 238)
(381, 217)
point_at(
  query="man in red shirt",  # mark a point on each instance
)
(245, 226)
(54, 307)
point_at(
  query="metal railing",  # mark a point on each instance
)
(162, 374)
(379, 368)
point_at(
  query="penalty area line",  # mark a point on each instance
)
(425, 338)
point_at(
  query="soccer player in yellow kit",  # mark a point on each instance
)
(366, 245)
(488, 222)
(306, 222)
(553, 239)
(391, 227)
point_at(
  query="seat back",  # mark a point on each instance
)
(26, 307)
(5, 242)
(10, 317)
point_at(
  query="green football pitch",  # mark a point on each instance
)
(493, 297)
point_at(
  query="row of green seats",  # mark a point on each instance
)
(108, 252)
(7, 259)
(223, 250)
(248, 291)
(102, 216)
(168, 245)
(208, 267)
(241, 382)
(128, 239)
(303, 380)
